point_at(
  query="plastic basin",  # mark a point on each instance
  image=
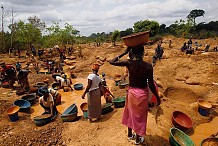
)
(71, 109)
(136, 39)
(204, 104)
(23, 104)
(106, 108)
(181, 120)
(69, 117)
(30, 97)
(212, 141)
(55, 86)
(84, 107)
(122, 84)
(43, 119)
(12, 113)
(20, 92)
(78, 86)
(41, 84)
(119, 102)
(203, 112)
(179, 138)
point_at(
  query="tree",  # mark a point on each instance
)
(162, 28)
(114, 36)
(128, 31)
(26, 33)
(146, 25)
(60, 36)
(180, 28)
(37, 23)
(194, 14)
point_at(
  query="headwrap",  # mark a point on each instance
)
(95, 66)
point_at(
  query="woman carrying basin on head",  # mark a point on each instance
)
(136, 107)
(93, 94)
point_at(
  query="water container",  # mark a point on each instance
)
(202, 111)
(12, 113)
(85, 114)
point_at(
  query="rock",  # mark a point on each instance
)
(192, 81)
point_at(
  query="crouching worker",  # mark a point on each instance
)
(65, 82)
(22, 77)
(56, 95)
(8, 73)
(47, 102)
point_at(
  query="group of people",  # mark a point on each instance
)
(188, 48)
(49, 97)
(10, 74)
(136, 106)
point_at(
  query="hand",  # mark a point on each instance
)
(83, 96)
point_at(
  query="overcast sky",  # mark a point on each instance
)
(92, 16)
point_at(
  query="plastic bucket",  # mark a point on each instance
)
(203, 112)
(85, 114)
(12, 113)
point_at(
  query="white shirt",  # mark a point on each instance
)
(63, 82)
(53, 92)
(58, 78)
(95, 81)
(48, 102)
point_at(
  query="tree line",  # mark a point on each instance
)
(35, 32)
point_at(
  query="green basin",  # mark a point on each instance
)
(119, 102)
(179, 138)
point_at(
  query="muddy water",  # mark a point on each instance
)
(204, 131)
(69, 98)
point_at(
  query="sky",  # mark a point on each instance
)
(93, 16)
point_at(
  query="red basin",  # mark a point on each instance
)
(181, 120)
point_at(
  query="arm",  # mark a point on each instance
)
(51, 107)
(115, 61)
(87, 88)
(152, 86)
(68, 82)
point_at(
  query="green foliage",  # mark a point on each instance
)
(180, 28)
(147, 25)
(194, 14)
(162, 28)
(26, 33)
(56, 35)
(126, 32)
(115, 36)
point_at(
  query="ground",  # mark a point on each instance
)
(183, 79)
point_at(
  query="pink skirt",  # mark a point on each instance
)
(136, 110)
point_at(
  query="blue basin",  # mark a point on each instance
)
(23, 104)
(71, 109)
(78, 86)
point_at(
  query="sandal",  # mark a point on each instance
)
(141, 140)
(132, 137)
